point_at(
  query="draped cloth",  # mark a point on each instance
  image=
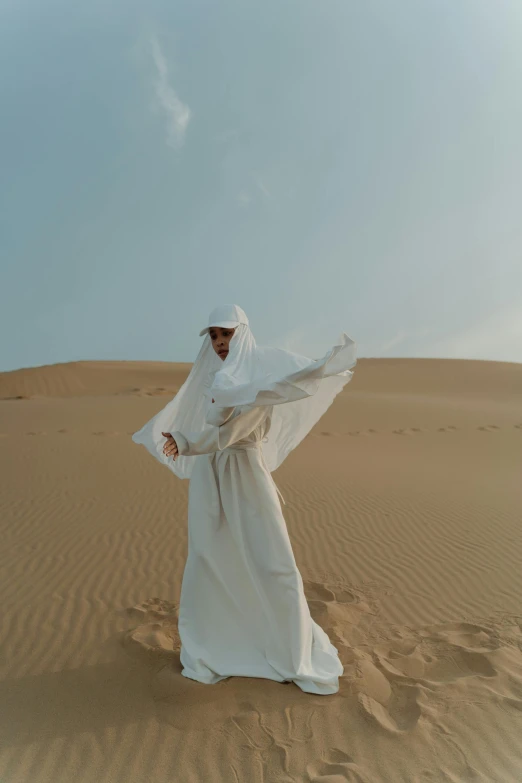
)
(243, 610)
(301, 389)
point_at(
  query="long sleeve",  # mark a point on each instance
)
(234, 429)
(219, 416)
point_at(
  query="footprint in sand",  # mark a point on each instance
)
(157, 633)
(463, 634)
(342, 612)
(336, 766)
(395, 708)
(443, 654)
(318, 591)
(268, 742)
(159, 639)
(154, 607)
(488, 427)
(266, 733)
(395, 679)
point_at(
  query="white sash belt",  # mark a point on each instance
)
(255, 444)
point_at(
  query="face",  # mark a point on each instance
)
(220, 340)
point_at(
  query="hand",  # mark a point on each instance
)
(170, 447)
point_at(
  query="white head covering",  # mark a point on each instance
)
(251, 375)
(226, 316)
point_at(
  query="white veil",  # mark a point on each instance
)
(300, 389)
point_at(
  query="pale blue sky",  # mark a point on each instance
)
(332, 165)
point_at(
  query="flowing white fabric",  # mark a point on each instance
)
(252, 375)
(243, 610)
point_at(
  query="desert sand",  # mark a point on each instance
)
(404, 508)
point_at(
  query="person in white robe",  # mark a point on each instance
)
(243, 408)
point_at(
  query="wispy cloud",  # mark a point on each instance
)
(176, 112)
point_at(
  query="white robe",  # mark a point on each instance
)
(243, 611)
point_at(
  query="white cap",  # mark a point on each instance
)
(226, 316)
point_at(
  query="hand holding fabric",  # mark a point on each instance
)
(170, 447)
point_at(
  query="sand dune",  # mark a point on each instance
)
(404, 507)
(78, 379)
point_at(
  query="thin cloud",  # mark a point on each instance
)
(176, 112)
